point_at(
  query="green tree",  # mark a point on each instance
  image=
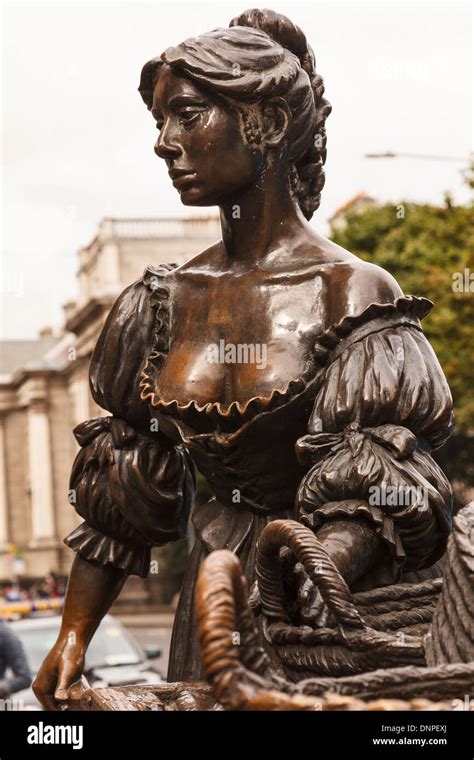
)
(429, 251)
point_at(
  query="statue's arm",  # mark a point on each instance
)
(373, 493)
(132, 486)
(90, 593)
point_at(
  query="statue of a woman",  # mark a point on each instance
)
(293, 375)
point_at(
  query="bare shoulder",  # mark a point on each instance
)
(353, 284)
(365, 283)
(209, 259)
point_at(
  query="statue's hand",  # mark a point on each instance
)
(63, 665)
(305, 599)
(312, 609)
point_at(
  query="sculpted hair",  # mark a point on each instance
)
(261, 55)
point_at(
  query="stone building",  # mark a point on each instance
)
(44, 389)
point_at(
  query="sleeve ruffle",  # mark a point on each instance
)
(384, 403)
(403, 310)
(381, 369)
(133, 491)
(103, 550)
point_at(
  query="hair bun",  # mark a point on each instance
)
(282, 30)
(306, 174)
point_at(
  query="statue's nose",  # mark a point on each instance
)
(166, 146)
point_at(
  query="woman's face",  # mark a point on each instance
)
(201, 139)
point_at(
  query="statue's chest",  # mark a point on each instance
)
(234, 340)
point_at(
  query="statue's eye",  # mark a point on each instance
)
(190, 115)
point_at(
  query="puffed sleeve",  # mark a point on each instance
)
(132, 486)
(383, 405)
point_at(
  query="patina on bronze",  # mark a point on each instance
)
(293, 375)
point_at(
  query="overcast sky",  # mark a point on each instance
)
(78, 141)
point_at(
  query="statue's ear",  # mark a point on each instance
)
(276, 121)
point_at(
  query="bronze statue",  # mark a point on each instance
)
(293, 375)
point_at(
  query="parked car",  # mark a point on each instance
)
(114, 657)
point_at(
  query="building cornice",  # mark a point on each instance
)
(89, 313)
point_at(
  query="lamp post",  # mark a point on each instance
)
(423, 156)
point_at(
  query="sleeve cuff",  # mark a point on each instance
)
(103, 550)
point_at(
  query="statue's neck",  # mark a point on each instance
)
(257, 220)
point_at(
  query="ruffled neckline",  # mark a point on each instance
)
(410, 308)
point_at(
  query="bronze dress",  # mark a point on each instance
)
(370, 405)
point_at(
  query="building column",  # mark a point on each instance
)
(3, 489)
(79, 393)
(34, 395)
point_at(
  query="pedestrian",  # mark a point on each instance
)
(12, 656)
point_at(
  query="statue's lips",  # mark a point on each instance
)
(179, 179)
